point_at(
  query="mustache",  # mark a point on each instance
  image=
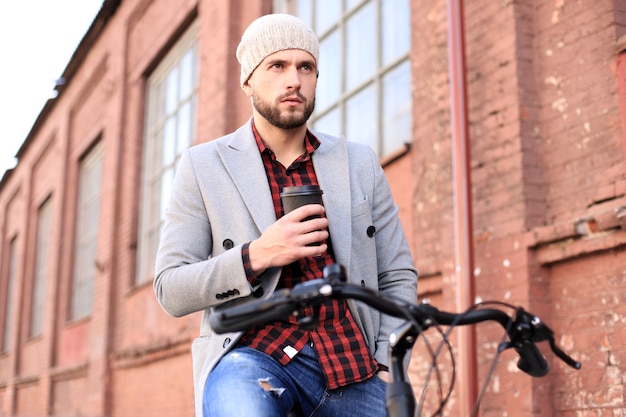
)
(292, 94)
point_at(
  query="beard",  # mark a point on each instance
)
(291, 119)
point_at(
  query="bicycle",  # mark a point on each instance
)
(523, 329)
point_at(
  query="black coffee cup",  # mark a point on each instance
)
(297, 196)
(301, 195)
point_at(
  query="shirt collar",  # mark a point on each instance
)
(311, 142)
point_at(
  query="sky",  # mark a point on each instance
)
(37, 40)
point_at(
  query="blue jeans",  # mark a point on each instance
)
(248, 383)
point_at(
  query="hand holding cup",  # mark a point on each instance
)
(298, 196)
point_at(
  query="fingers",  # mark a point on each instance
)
(316, 249)
(313, 237)
(299, 234)
(304, 212)
(308, 225)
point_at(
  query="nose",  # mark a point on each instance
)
(293, 78)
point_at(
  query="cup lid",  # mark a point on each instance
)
(301, 190)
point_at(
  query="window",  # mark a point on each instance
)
(170, 129)
(42, 256)
(10, 295)
(88, 213)
(364, 88)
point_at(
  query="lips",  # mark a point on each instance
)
(292, 97)
(292, 100)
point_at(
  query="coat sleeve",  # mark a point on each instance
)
(187, 277)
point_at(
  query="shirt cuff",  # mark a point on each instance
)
(247, 266)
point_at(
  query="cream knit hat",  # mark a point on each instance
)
(272, 33)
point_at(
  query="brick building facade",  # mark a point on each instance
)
(80, 331)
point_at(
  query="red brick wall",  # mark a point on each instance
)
(155, 388)
(592, 329)
(546, 158)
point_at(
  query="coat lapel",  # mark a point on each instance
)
(242, 160)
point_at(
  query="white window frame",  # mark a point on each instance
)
(385, 133)
(87, 232)
(166, 105)
(11, 284)
(40, 276)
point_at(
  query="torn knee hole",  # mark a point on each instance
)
(266, 386)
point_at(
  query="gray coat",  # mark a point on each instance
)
(220, 200)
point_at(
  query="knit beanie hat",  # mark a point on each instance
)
(272, 33)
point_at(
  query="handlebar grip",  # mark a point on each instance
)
(531, 361)
(245, 316)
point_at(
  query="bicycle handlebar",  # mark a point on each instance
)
(524, 331)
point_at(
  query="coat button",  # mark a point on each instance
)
(228, 244)
(371, 231)
(226, 342)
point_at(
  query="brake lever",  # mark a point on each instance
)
(531, 328)
(563, 356)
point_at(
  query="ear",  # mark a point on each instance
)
(247, 88)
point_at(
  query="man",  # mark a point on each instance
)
(226, 239)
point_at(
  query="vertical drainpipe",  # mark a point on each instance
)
(464, 253)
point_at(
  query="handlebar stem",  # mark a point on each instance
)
(399, 394)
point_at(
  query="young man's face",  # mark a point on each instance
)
(282, 88)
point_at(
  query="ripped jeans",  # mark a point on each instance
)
(248, 383)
